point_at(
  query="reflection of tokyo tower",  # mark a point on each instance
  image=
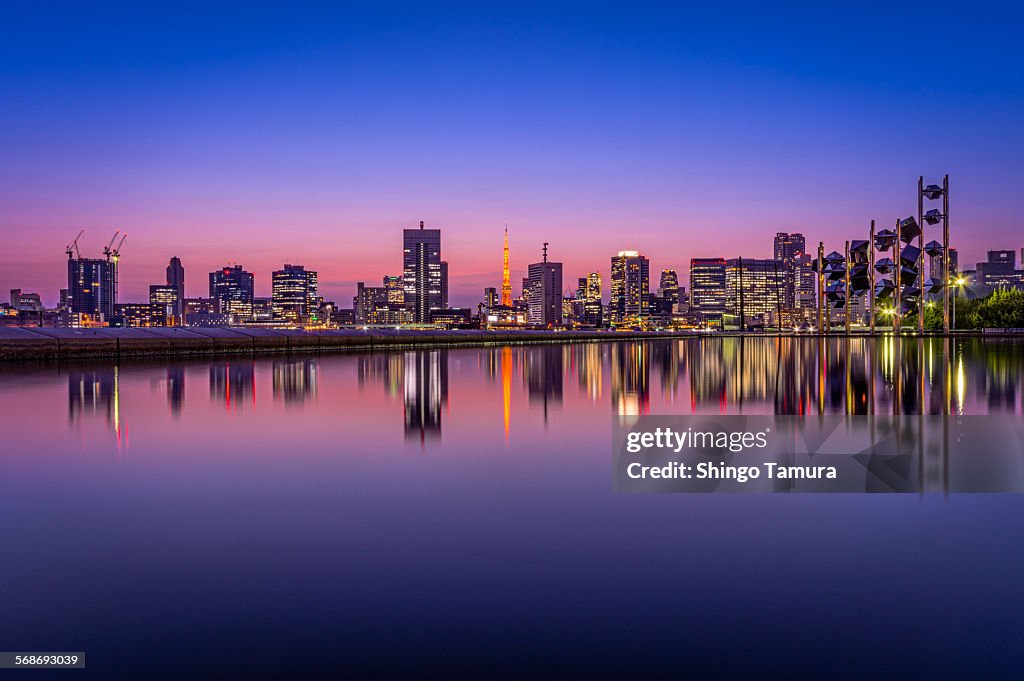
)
(506, 280)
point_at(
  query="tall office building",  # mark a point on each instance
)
(92, 290)
(232, 288)
(544, 292)
(164, 306)
(395, 290)
(631, 288)
(805, 291)
(668, 288)
(294, 294)
(707, 290)
(421, 272)
(588, 295)
(999, 271)
(444, 284)
(370, 304)
(788, 248)
(176, 280)
(490, 297)
(755, 290)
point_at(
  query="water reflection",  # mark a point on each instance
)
(426, 392)
(294, 380)
(233, 383)
(728, 375)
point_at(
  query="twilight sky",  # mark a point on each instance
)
(313, 133)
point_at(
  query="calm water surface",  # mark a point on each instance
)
(360, 515)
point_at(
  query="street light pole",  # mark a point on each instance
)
(871, 274)
(945, 258)
(921, 255)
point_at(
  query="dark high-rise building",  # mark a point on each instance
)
(805, 292)
(232, 288)
(92, 290)
(788, 249)
(444, 284)
(668, 289)
(490, 297)
(421, 272)
(588, 300)
(294, 294)
(707, 289)
(631, 288)
(176, 280)
(544, 292)
(999, 270)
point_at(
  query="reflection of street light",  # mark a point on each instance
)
(958, 283)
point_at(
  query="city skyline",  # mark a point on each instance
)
(314, 137)
(140, 288)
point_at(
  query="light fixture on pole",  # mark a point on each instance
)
(934, 216)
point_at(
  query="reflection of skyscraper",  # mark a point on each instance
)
(96, 392)
(294, 380)
(426, 391)
(544, 375)
(175, 388)
(90, 392)
(589, 368)
(388, 369)
(630, 382)
(233, 383)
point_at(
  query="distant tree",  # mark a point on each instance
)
(1003, 309)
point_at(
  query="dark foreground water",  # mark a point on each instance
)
(450, 512)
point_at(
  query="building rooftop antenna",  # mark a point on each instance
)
(545, 251)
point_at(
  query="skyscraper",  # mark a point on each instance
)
(294, 295)
(544, 292)
(631, 288)
(421, 272)
(91, 290)
(588, 300)
(805, 282)
(232, 288)
(755, 290)
(444, 284)
(164, 305)
(668, 288)
(707, 290)
(788, 248)
(176, 280)
(490, 297)
(506, 280)
(396, 293)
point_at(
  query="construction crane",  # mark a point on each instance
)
(108, 250)
(72, 248)
(116, 251)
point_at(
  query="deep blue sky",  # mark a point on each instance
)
(312, 132)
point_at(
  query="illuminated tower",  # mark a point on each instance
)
(506, 281)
